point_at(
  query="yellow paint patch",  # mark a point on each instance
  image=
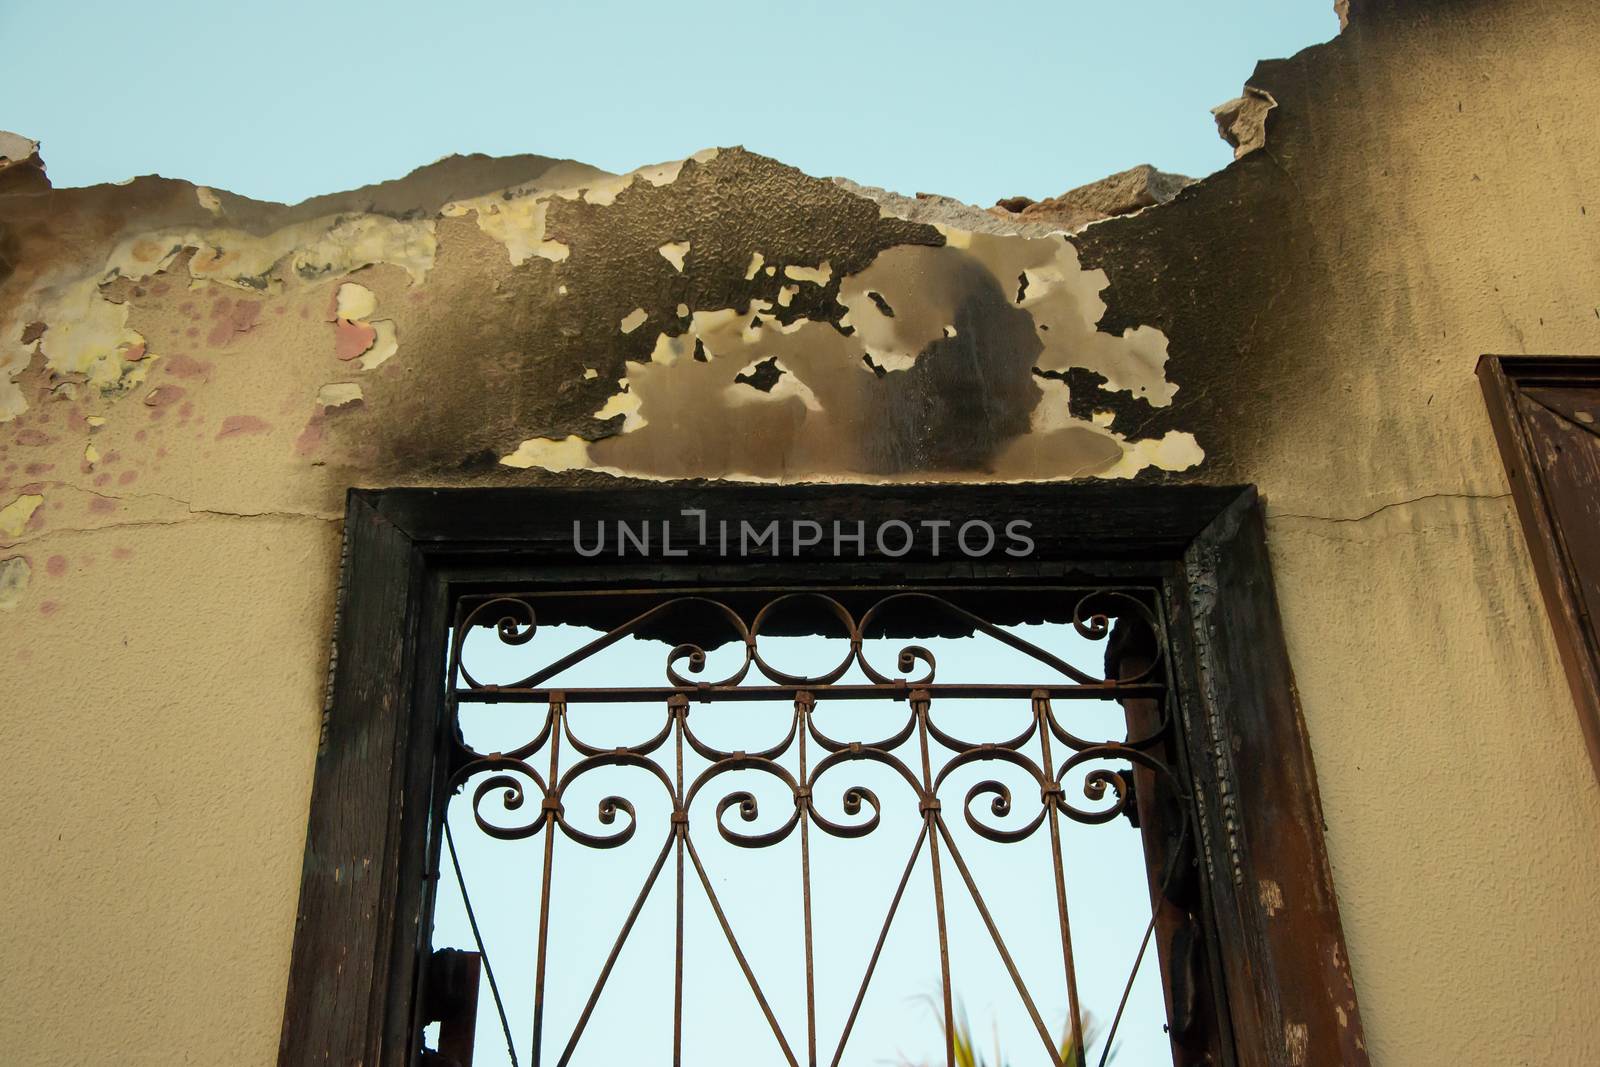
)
(384, 345)
(307, 251)
(674, 252)
(626, 404)
(818, 275)
(15, 515)
(338, 394)
(517, 223)
(567, 453)
(355, 302)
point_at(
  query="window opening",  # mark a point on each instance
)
(774, 826)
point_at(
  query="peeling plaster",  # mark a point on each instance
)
(354, 301)
(674, 252)
(918, 359)
(385, 343)
(1242, 121)
(820, 415)
(516, 217)
(15, 572)
(338, 395)
(15, 515)
(87, 334)
(817, 275)
(517, 223)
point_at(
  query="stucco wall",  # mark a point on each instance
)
(181, 418)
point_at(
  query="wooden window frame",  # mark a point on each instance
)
(361, 931)
(1504, 378)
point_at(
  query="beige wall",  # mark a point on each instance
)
(1429, 190)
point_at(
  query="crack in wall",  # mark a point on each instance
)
(1277, 515)
(191, 511)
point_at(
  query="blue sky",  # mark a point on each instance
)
(853, 879)
(978, 101)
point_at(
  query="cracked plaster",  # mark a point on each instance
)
(1305, 320)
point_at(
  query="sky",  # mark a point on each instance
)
(976, 101)
(853, 880)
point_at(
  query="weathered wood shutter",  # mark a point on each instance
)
(1546, 415)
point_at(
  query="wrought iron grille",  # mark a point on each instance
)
(521, 793)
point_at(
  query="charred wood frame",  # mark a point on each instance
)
(1247, 928)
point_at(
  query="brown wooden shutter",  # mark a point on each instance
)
(1546, 416)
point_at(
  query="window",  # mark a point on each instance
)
(867, 715)
(1546, 416)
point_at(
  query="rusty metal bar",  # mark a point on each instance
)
(999, 942)
(877, 949)
(738, 953)
(477, 939)
(803, 703)
(1109, 690)
(679, 708)
(1051, 797)
(930, 814)
(552, 813)
(616, 950)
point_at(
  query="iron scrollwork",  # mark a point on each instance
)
(514, 797)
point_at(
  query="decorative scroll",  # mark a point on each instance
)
(524, 792)
(515, 622)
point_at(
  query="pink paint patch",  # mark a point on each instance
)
(182, 366)
(127, 477)
(49, 607)
(102, 479)
(351, 339)
(141, 435)
(134, 354)
(310, 438)
(102, 505)
(55, 566)
(232, 317)
(36, 469)
(245, 314)
(187, 307)
(163, 395)
(240, 425)
(121, 552)
(192, 332)
(35, 438)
